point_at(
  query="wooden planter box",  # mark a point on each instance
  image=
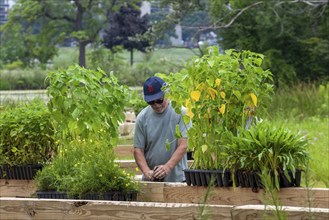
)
(161, 200)
(29, 208)
(182, 193)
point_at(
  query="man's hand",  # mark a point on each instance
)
(149, 175)
(161, 171)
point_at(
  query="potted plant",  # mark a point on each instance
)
(87, 107)
(221, 93)
(26, 140)
(86, 170)
(277, 150)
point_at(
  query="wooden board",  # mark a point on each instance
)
(17, 188)
(181, 193)
(259, 212)
(20, 208)
(293, 196)
(13, 208)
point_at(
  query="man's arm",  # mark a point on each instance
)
(141, 163)
(163, 170)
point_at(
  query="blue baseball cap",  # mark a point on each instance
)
(153, 88)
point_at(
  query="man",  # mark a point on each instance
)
(155, 126)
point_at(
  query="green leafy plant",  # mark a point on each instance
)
(86, 108)
(221, 93)
(27, 135)
(86, 166)
(264, 146)
(83, 102)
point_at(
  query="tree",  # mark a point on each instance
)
(127, 28)
(292, 34)
(81, 20)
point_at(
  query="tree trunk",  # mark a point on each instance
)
(82, 54)
(131, 56)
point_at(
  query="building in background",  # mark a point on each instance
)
(4, 6)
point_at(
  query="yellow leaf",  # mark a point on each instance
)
(187, 103)
(204, 148)
(189, 113)
(212, 93)
(222, 109)
(201, 86)
(254, 98)
(195, 95)
(217, 82)
(222, 94)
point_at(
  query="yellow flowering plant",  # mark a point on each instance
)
(221, 93)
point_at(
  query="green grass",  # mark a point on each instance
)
(176, 54)
(69, 55)
(317, 130)
(305, 108)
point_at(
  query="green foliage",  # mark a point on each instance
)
(86, 107)
(21, 79)
(296, 31)
(136, 101)
(303, 101)
(84, 101)
(264, 146)
(38, 26)
(146, 65)
(220, 92)
(271, 195)
(85, 166)
(66, 57)
(23, 39)
(304, 108)
(27, 135)
(127, 30)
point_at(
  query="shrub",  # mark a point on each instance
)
(85, 166)
(27, 136)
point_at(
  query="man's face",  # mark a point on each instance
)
(159, 107)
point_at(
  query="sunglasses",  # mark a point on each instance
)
(158, 101)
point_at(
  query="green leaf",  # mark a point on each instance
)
(204, 148)
(177, 132)
(167, 145)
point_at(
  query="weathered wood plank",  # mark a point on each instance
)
(17, 188)
(13, 208)
(258, 212)
(181, 193)
(293, 196)
(151, 192)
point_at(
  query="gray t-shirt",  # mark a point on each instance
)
(151, 132)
